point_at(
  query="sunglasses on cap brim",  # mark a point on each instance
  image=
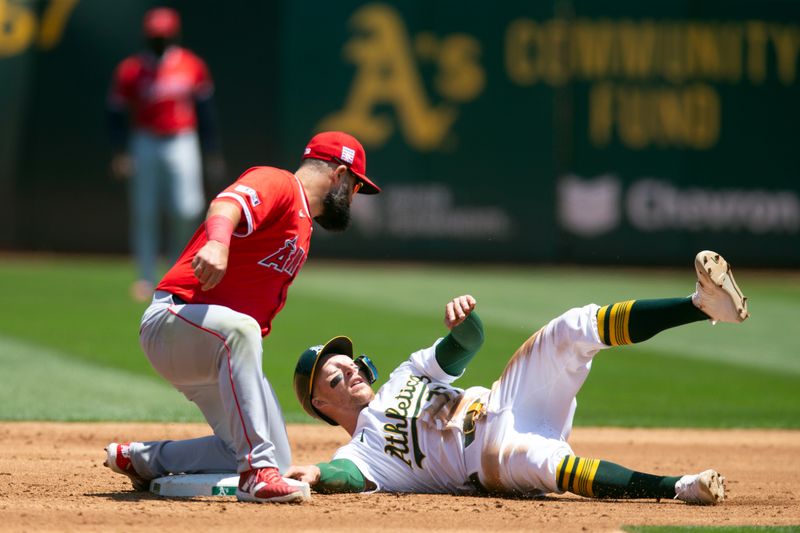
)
(365, 363)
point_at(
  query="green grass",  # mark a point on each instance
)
(706, 529)
(43, 384)
(69, 322)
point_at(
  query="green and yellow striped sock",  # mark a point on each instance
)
(576, 474)
(635, 321)
(595, 478)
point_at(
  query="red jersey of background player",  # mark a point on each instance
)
(267, 250)
(162, 92)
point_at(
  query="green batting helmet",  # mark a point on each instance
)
(307, 366)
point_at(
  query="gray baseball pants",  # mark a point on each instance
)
(212, 355)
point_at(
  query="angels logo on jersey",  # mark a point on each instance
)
(288, 259)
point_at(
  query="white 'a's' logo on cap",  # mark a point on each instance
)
(348, 154)
(308, 151)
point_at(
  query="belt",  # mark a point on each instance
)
(177, 300)
(474, 413)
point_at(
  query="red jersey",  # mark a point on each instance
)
(162, 92)
(267, 250)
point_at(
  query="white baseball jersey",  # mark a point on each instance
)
(409, 438)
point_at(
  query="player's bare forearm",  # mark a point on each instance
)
(227, 208)
(458, 309)
(211, 261)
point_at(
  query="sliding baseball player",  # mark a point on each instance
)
(419, 433)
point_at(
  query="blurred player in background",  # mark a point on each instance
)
(203, 332)
(166, 91)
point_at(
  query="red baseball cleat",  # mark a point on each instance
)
(118, 460)
(267, 485)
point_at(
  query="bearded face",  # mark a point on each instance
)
(335, 214)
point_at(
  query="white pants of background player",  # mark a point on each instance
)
(167, 179)
(531, 407)
(212, 355)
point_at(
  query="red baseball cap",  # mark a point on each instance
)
(161, 22)
(342, 148)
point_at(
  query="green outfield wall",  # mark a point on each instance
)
(560, 131)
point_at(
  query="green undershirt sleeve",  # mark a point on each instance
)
(459, 347)
(340, 475)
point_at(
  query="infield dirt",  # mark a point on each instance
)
(52, 479)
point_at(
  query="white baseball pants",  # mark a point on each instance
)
(531, 407)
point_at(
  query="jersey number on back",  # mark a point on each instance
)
(288, 259)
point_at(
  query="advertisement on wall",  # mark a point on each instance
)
(567, 131)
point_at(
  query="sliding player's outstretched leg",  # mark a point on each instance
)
(595, 478)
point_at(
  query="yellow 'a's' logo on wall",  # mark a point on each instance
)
(387, 75)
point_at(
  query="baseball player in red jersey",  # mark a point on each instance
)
(167, 91)
(203, 330)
